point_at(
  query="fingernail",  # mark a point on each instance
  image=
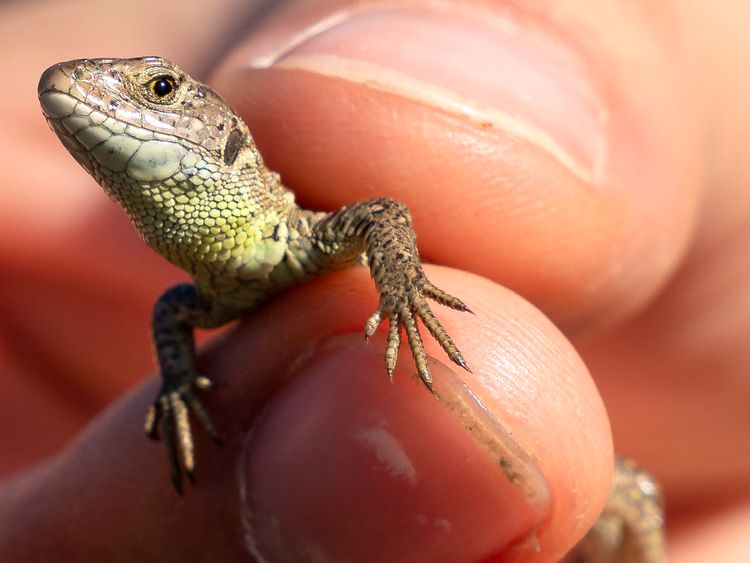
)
(485, 67)
(344, 465)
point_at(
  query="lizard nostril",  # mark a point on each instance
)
(49, 79)
(58, 77)
(54, 89)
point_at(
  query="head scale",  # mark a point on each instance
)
(166, 147)
(96, 105)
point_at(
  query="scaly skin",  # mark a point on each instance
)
(631, 527)
(185, 169)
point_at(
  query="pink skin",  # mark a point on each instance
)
(650, 238)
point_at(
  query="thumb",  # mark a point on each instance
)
(325, 454)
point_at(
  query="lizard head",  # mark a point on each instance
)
(166, 147)
(138, 116)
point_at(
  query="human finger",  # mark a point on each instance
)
(314, 430)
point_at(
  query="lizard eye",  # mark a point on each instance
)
(163, 87)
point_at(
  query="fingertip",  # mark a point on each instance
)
(339, 438)
(529, 376)
(342, 458)
(526, 374)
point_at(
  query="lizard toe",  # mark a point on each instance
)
(170, 413)
(438, 332)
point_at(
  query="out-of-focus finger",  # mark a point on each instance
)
(550, 146)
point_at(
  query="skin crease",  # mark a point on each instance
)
(674, 370)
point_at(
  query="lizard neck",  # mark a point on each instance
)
(213, 225)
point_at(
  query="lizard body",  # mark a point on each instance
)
(172, 153)
(185, 169)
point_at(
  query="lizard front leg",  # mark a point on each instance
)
(176, 313)
(382, 228)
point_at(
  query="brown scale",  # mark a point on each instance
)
(197, 118)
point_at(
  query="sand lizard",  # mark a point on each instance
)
(174, 155)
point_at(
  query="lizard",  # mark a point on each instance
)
(185, 168)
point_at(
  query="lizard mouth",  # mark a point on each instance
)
(102, 143)
(83, 129)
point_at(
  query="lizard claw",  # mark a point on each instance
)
(170, 412)
(403, 311)
(444, 298)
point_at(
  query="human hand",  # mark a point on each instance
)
(587, 222)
